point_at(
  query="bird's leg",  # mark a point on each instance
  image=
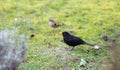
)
(72, 48)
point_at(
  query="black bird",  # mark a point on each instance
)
(73, 40)
(53, 24)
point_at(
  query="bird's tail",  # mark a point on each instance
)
(89, 44)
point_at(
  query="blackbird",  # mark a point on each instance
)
(53, 24)
(73, 40)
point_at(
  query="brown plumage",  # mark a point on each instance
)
(53, 24)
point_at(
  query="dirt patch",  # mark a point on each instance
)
(61, 53)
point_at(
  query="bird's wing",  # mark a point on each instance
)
(78, 40)
(73, 39)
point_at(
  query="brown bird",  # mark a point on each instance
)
(53, 24)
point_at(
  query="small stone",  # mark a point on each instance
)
(97, 47)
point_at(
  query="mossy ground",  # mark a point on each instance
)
(88, 19)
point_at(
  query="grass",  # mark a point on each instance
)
(88, 19)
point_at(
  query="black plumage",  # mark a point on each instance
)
(73, 40)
